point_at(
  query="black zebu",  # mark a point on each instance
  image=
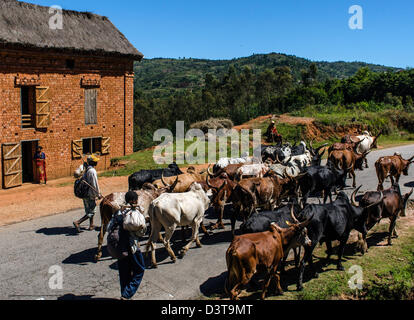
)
(138, 179)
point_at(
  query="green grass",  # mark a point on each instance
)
(388, 273)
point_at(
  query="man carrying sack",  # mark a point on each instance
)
(90, 178)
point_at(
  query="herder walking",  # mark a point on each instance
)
(131, 265)
(91, 178)
(40, 162)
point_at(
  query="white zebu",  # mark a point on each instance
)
(171, 210)
(257, 170)
(367, 143)
(224, 162)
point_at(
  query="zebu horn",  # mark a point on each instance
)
(163, 181)
(208, 171)
(208, 183)
(305, 223)
(376, 203)
(171, 189)
(354, 203)
(292, 214)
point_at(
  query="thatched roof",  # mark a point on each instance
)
(27, 25)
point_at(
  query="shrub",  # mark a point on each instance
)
(212, 123)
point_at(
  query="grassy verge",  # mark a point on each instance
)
(388, 272)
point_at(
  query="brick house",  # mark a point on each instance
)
(68, 90)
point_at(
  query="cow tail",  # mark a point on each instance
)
(234, 268)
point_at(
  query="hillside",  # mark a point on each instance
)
(162, 77)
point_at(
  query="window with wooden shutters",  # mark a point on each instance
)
(42, 107)
(77, 149)
(106, 145)
(12, 165)
(91, 96)
(28, 106)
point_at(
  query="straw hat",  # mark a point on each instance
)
(93, 158)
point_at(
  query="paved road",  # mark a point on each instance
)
(30, 249)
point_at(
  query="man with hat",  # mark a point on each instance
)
(94, 193)
(271, 133)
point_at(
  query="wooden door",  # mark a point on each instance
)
(42, 107)
(12, 165)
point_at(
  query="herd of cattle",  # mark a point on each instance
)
(271, 196)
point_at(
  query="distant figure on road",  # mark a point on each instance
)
(94, 193)
(40, 161)
(271, 133)
(131, 268)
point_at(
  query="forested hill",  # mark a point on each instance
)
(162, 77)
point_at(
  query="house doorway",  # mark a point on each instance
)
(28, 167)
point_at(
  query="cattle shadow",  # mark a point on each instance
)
(375, 238)
(56, 231)
(84, 257)
(161, 254)
(72, 297)
(217, 237)
(409, 184)
(214, 286)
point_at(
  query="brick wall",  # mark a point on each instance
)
(66, 96)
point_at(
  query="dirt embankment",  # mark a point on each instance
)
(313, 131)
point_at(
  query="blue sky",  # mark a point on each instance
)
(226, 29)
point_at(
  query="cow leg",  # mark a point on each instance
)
(194, 227)
(155, 231)
(306, 258)
(353, 179)
(169, 231)
(397, 178)
(366, 163)
(276, 276)
(219, 224)
(296, 252)
(392, 229)
(341, 249)
(100, 241)
(266, 283)
(234, 293)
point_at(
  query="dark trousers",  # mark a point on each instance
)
(131, 271)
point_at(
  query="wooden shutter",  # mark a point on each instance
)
(42, 107)
(90, 106)
(12, 165)
(77, 149)
(106, 145)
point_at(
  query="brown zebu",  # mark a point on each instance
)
(184, 181)
(393, 167)
(348, 159)
(352, 146)
(392, 205)
(114, 202)
(230, 170)
(260, 252)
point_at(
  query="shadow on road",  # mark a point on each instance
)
(84, 297)
(84, 257)
(409, 184)
(68, 231)
(214, 285)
